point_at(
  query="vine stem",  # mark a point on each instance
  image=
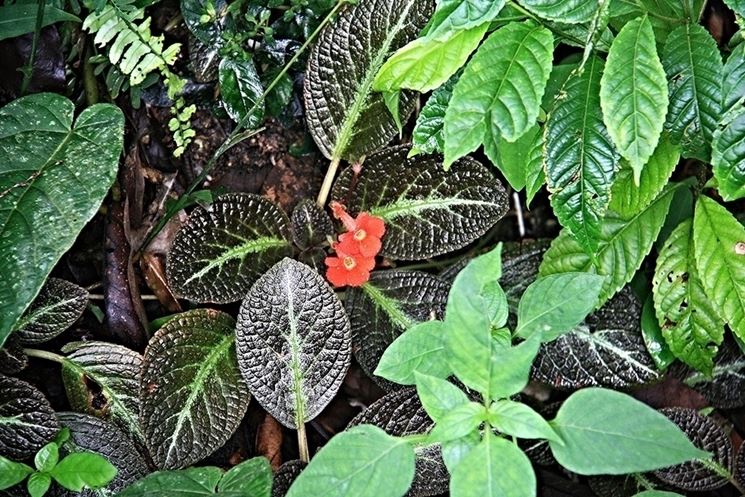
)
(28, 69)
(328, 180)
(302, 442)
(44, 354)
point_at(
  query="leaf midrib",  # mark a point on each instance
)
(402, 207)
(389, 306)
(239, 252)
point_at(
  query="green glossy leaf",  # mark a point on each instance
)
(514, 160)
(500, 90)
(38, 484)
(190, 482)
(12, 473)
(419, 349)
(53, 176)
(599, 441)
(346, 119)
(694, 70)
(733, 84)
(251, 478)
(555, 304)
(20, 18)
(47, 457)
(294, 342)
(628, 199)
(580, 160)
(633, 94)
(189, 375)
(428, 211)
(205, 19)
(535, 176)
(458, 422)
(358, 463)
(653, 339)
(457, 15)
(81, 470)
(427, 135)
(56, 308)
(623, 246)
(728, 158)
(736, 5)
(689, 321)
(240, 90)
(519, 420)
(438, 396)
(27, 421)
(719, 247)
(567, 11)
(224, 247)
(494, 468)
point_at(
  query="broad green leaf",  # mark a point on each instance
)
(728, 158)
(652, 334)
(610, 433)
(623, 246)
(494, 468)
(694, 70)
(719, 247)
(426, 63)
(457, 15)
(428, 211)
(628, 199)
(736, 5)
(103, 379)
(53, 177)
(81, 470)
(47, 457)
(559, 75)
(515, 160)
(733, 84)
(421, 349)
(438, 396)
(458, 422)
(56, 308)
(580, 159)
(566, 11)
(27, 421)
(190, 482)
(224, 247)
(555, 304)
(427, 135)
(205, 19)
(519, 420)
(500, 89)
(240, 90)
(454, 451)
(251, 478)
(12, 473)
(189, 374)
(38, 484)
(358, 463)
(346, 119)
(20, 18)
(294, 342)
(385, 307)
(633, 94)
(535, 176)
(689, 321)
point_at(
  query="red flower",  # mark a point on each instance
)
(366, 230)
(349, 267)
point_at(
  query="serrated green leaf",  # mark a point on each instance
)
(189, 372)
(53, 176)
(224, 247)
(20, 18)
(733, 84)
(519, 420)
(515, 160)
(633, 94)
(81, 470)
(719, 245)
(438, 395)
(689, 321)
(346, 119)
(357, 463)
(535, 176)
(58, 305)
(580, 159)
(240, 91)
(27, 421)
(420, 348)
(251, 478)
(627, 199)
(427, 135)
(458, 422)
(294, 342)
(736, 5)
(500, 90)
(38, 484)
(623, 246)
(653, 339)
(728, 158)
(597, 441)
(694, 70)
(427, 211)
(457, 15)
(567, 11)
(12, 473)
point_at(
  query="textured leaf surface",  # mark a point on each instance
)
(285, 476)
(192, 396)
(707, 435)
(208, 32)
(456, 15)
(694, 70)
(311, 226)
(294, 342)
(689, 321)
(621, 250)
(12, 357)
(53, 176)
(225, 247)
(390, 303)
(733, 84)
(633, 93)
(27, 421)
(719, 244)
(240, 90)
(725, 388)
(58, 305)
(345, 118)
(103, 379)
(427, 211)
(580, 159)
(190, 482)
(728, 158)
(567, 11)
(500, 90)
(427, 135)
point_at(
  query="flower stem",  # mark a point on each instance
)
(44, 354)
(328, 180)
(302, 443)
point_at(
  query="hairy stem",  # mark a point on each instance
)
(28, 69)
(44, 354)
(328, 180)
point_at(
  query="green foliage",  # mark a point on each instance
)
(20, 18)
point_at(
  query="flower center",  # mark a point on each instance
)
(349, 263)
(360, 235)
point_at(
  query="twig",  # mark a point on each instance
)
(28, 69)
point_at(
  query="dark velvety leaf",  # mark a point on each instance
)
(607, 350)
(705, 434)
(205, 19)
(740, 465)
(520, 263)
(204, 59)
(285, 476)
(311, 226)
(725, 389)
(240, 90)
(58, 305)
(12, 357)
(88, 433)
(427, 135)
(614, 486)
(103, 379)
(428, 211)
(345, 118)
(390, 303)
(225, 247)
(294, 342)
(27, 421)
(192, 396)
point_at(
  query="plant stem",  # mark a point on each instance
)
(28, 69)
(302, 443)
(328, 180)
(89, 78)
(44, 354)
(723, 472)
